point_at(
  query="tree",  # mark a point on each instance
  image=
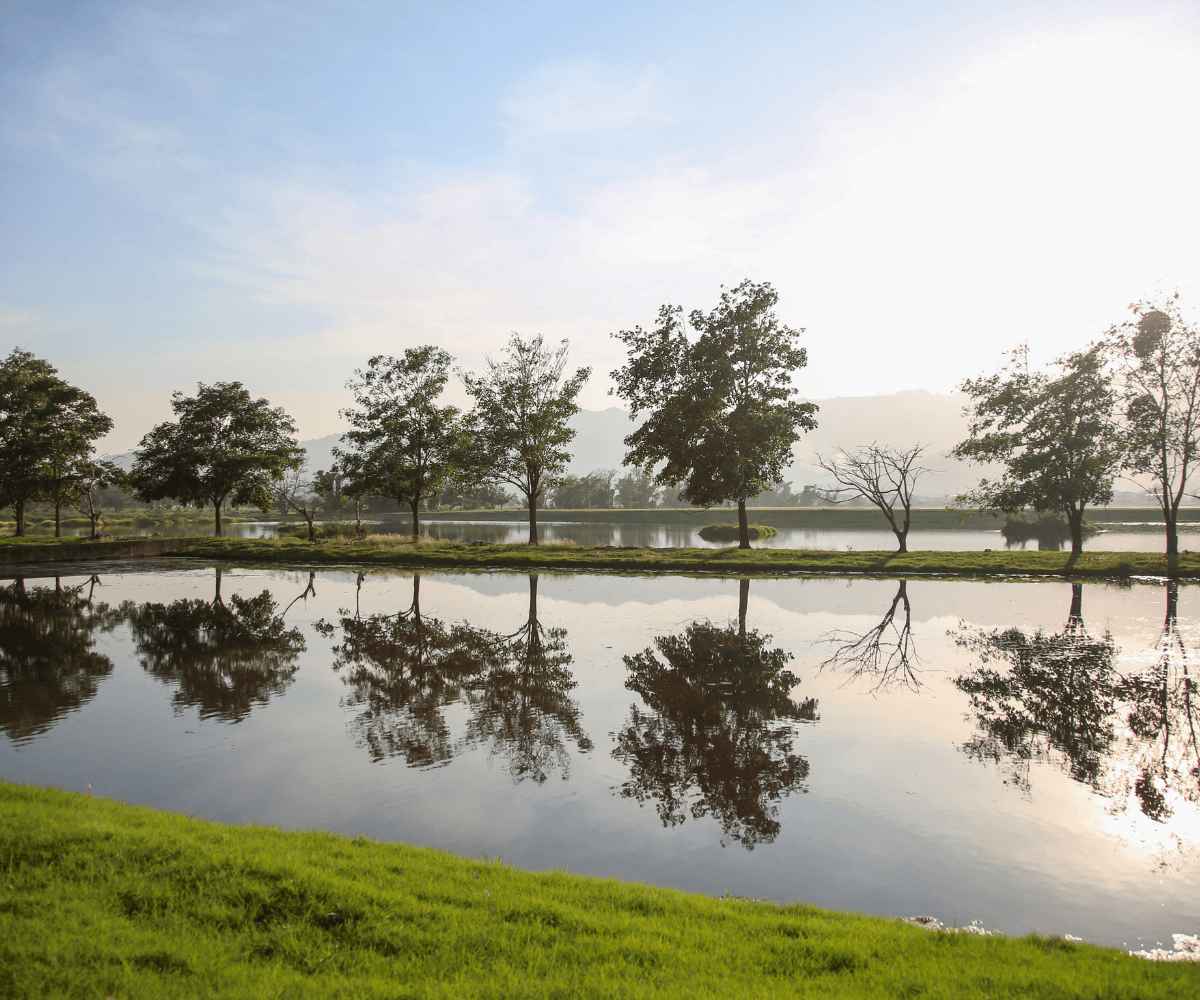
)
(47, 428)
(523, 407)
(883, 476)
(94, 478)
(223, 446)
(637, 488)
(720, 412)
(1055, 433)
(407, 444)
(885, 653)
(296, 491)
(590, 492)
(1158, 359)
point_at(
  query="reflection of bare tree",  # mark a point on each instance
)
(715, 737)
(48, 664)
(886, 653)
(522, 704)
(1054, 700)
(1162, 720)
(403, 670)
(226, 657)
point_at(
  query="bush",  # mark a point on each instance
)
(729, 532)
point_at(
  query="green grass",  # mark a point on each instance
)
(398, 550)
(100, 899)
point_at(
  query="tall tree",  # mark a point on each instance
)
(720, 412)
(408, 445)
(885, 477)
(224, 445)
(1158, 360)
(1054, 432)
(637, 488)
(47, 427)
(523, 406)
(74, 422)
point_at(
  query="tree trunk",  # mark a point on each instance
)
(57, 517)
(901, 539)
(416, 522)
(416, 601)
(19, 510)
(533, 585)
(312, 533)
(743, 525)
(1075, 520)
(1076, 602)
(95, 519)
(1172, 536)
(217, 512)
(743, 603)
(533, 531)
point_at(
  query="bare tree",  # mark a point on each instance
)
(884, 476)
(296, 491)
(886, 652)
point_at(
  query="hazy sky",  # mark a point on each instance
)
(272, 192)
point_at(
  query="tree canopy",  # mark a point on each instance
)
(223, 446)
(521, 422)
(1054, 432)
(720, 411)
(407, 444)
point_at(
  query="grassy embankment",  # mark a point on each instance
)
(98, 898)
(393, 550)
(399, 550)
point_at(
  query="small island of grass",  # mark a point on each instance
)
(729, 532)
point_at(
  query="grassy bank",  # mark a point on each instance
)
(103, 899)
(393, 550)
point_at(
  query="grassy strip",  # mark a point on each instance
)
(98, 898)
(392, 550)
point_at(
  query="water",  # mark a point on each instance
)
(1020, 753)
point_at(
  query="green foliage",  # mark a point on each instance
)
(105, 899)
(638, 489)
(223, 446)
(48, 428)
(402, 443)
(592, 491)
(521, 421)
(1056, 436)
(730, 532)
(720, 412)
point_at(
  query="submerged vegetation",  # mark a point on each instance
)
(177, 906)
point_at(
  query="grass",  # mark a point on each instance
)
(98, 898)
(393, 550)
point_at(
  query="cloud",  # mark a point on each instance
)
(584, 96)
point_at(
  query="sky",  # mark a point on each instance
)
(272, 192)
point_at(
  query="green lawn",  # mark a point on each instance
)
(102, 899)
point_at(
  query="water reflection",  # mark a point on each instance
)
(1060, 698)
(48, 663)
(522, 705)
(885, 655)
(716, 734)
(225, 657)
(403, 670)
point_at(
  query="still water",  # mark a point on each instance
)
(1117, 539)
(1021, 753)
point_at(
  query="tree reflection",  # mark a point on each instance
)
(715, 737)
(1053, 699)
(226, 657)
(1131, 736)
(48, 664)
(1165, 755)
(403, 670)
(522, 705)
(886, 654)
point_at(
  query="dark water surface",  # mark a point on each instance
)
(1023, 754)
